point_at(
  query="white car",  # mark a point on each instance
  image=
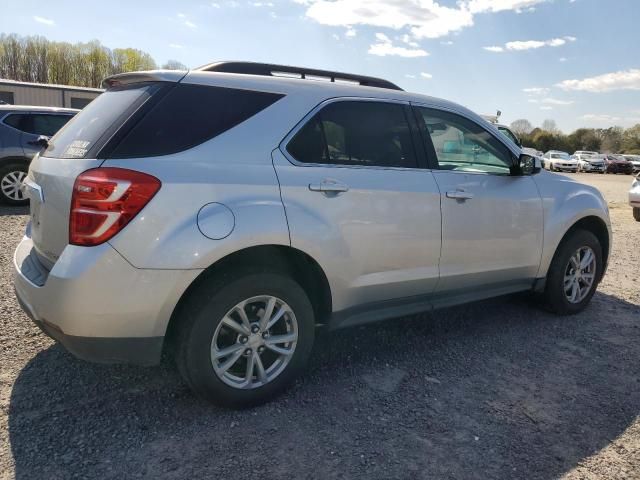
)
(635, 160)
(634, 198)
(590, 163)
(556, 160)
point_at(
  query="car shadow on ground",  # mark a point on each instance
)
(9, 210)
(497, 389)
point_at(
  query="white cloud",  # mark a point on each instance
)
(622, 80)
(481, 6)
(262, 4)
(562, 59)
(447, 42)
(536, 90)
(555, 101)
(215, 5)
(181, 15)
(384, 47)
(175, 45)
(533, 44)
(190, 24)
(351, 32)
(43, 20)
(495, 49)
(426, 75)
(408, 75)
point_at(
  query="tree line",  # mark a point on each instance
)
(605, 140)
(36, 59)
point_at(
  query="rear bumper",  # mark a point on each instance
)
(97, 305)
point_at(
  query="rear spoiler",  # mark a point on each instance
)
(138, 77)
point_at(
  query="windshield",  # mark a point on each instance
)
(563, 156)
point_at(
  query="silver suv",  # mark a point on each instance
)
(223, 214)
(24, 131)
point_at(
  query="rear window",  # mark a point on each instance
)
(92, 127)
(188, 116)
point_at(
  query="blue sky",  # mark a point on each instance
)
(574, 61)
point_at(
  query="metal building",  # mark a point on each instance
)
(46, 95)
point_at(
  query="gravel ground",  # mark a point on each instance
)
(497, 389)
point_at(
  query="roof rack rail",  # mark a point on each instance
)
(271, 70)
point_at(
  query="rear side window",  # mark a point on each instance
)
(188, 116)
(367, 133)
(92, 127)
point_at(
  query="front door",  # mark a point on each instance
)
(492, 223)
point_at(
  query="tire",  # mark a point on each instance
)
(556, 298)
(10, 174)
(636, 213)
(201, 322)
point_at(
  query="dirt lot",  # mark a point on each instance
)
(492, 390)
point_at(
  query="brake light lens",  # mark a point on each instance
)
(105, 200)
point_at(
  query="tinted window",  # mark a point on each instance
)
(507, 133)
(16, 120)
(47, 124)
(188, 116)
(7, 97)
(93, 125)
(356, 133)
(461, 144)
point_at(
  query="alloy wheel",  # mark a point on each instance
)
(580, 275)
(11, 185)
(254, 342)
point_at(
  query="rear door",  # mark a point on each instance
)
(358, 200)
(492, 221)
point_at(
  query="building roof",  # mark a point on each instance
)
(4, 81)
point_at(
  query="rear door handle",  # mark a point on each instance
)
(329, 186)
(460, 195)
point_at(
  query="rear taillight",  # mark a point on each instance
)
(104, 200)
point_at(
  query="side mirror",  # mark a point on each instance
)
(42, 141)
(527, 165)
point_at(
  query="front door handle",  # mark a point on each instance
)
(329, 186)
(460, 195)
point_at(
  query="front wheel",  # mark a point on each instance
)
(11, 178)
(636, 213)
(574, 273)
(244, 339)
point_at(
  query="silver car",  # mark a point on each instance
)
(634, 198)
(224, 214)
(24, 131)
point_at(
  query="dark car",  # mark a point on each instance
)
(21, 132)
(617, 164)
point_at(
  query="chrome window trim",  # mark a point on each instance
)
(282, 146)
(504, 141)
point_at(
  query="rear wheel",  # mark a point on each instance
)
(11, 178)
(636, 213)
(244, 338)
(574, 273)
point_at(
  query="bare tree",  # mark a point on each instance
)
(174, 65)
(550, 125)
(521, 127)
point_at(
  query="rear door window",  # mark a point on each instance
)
(365, 133)
(47, 124)
(16, 120)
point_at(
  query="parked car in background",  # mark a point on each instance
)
(578, 154)
(634, 198)
(590, 163)
(635, 161)
(230, 211)
(558, 161)
(617, 164)
(24, 131)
